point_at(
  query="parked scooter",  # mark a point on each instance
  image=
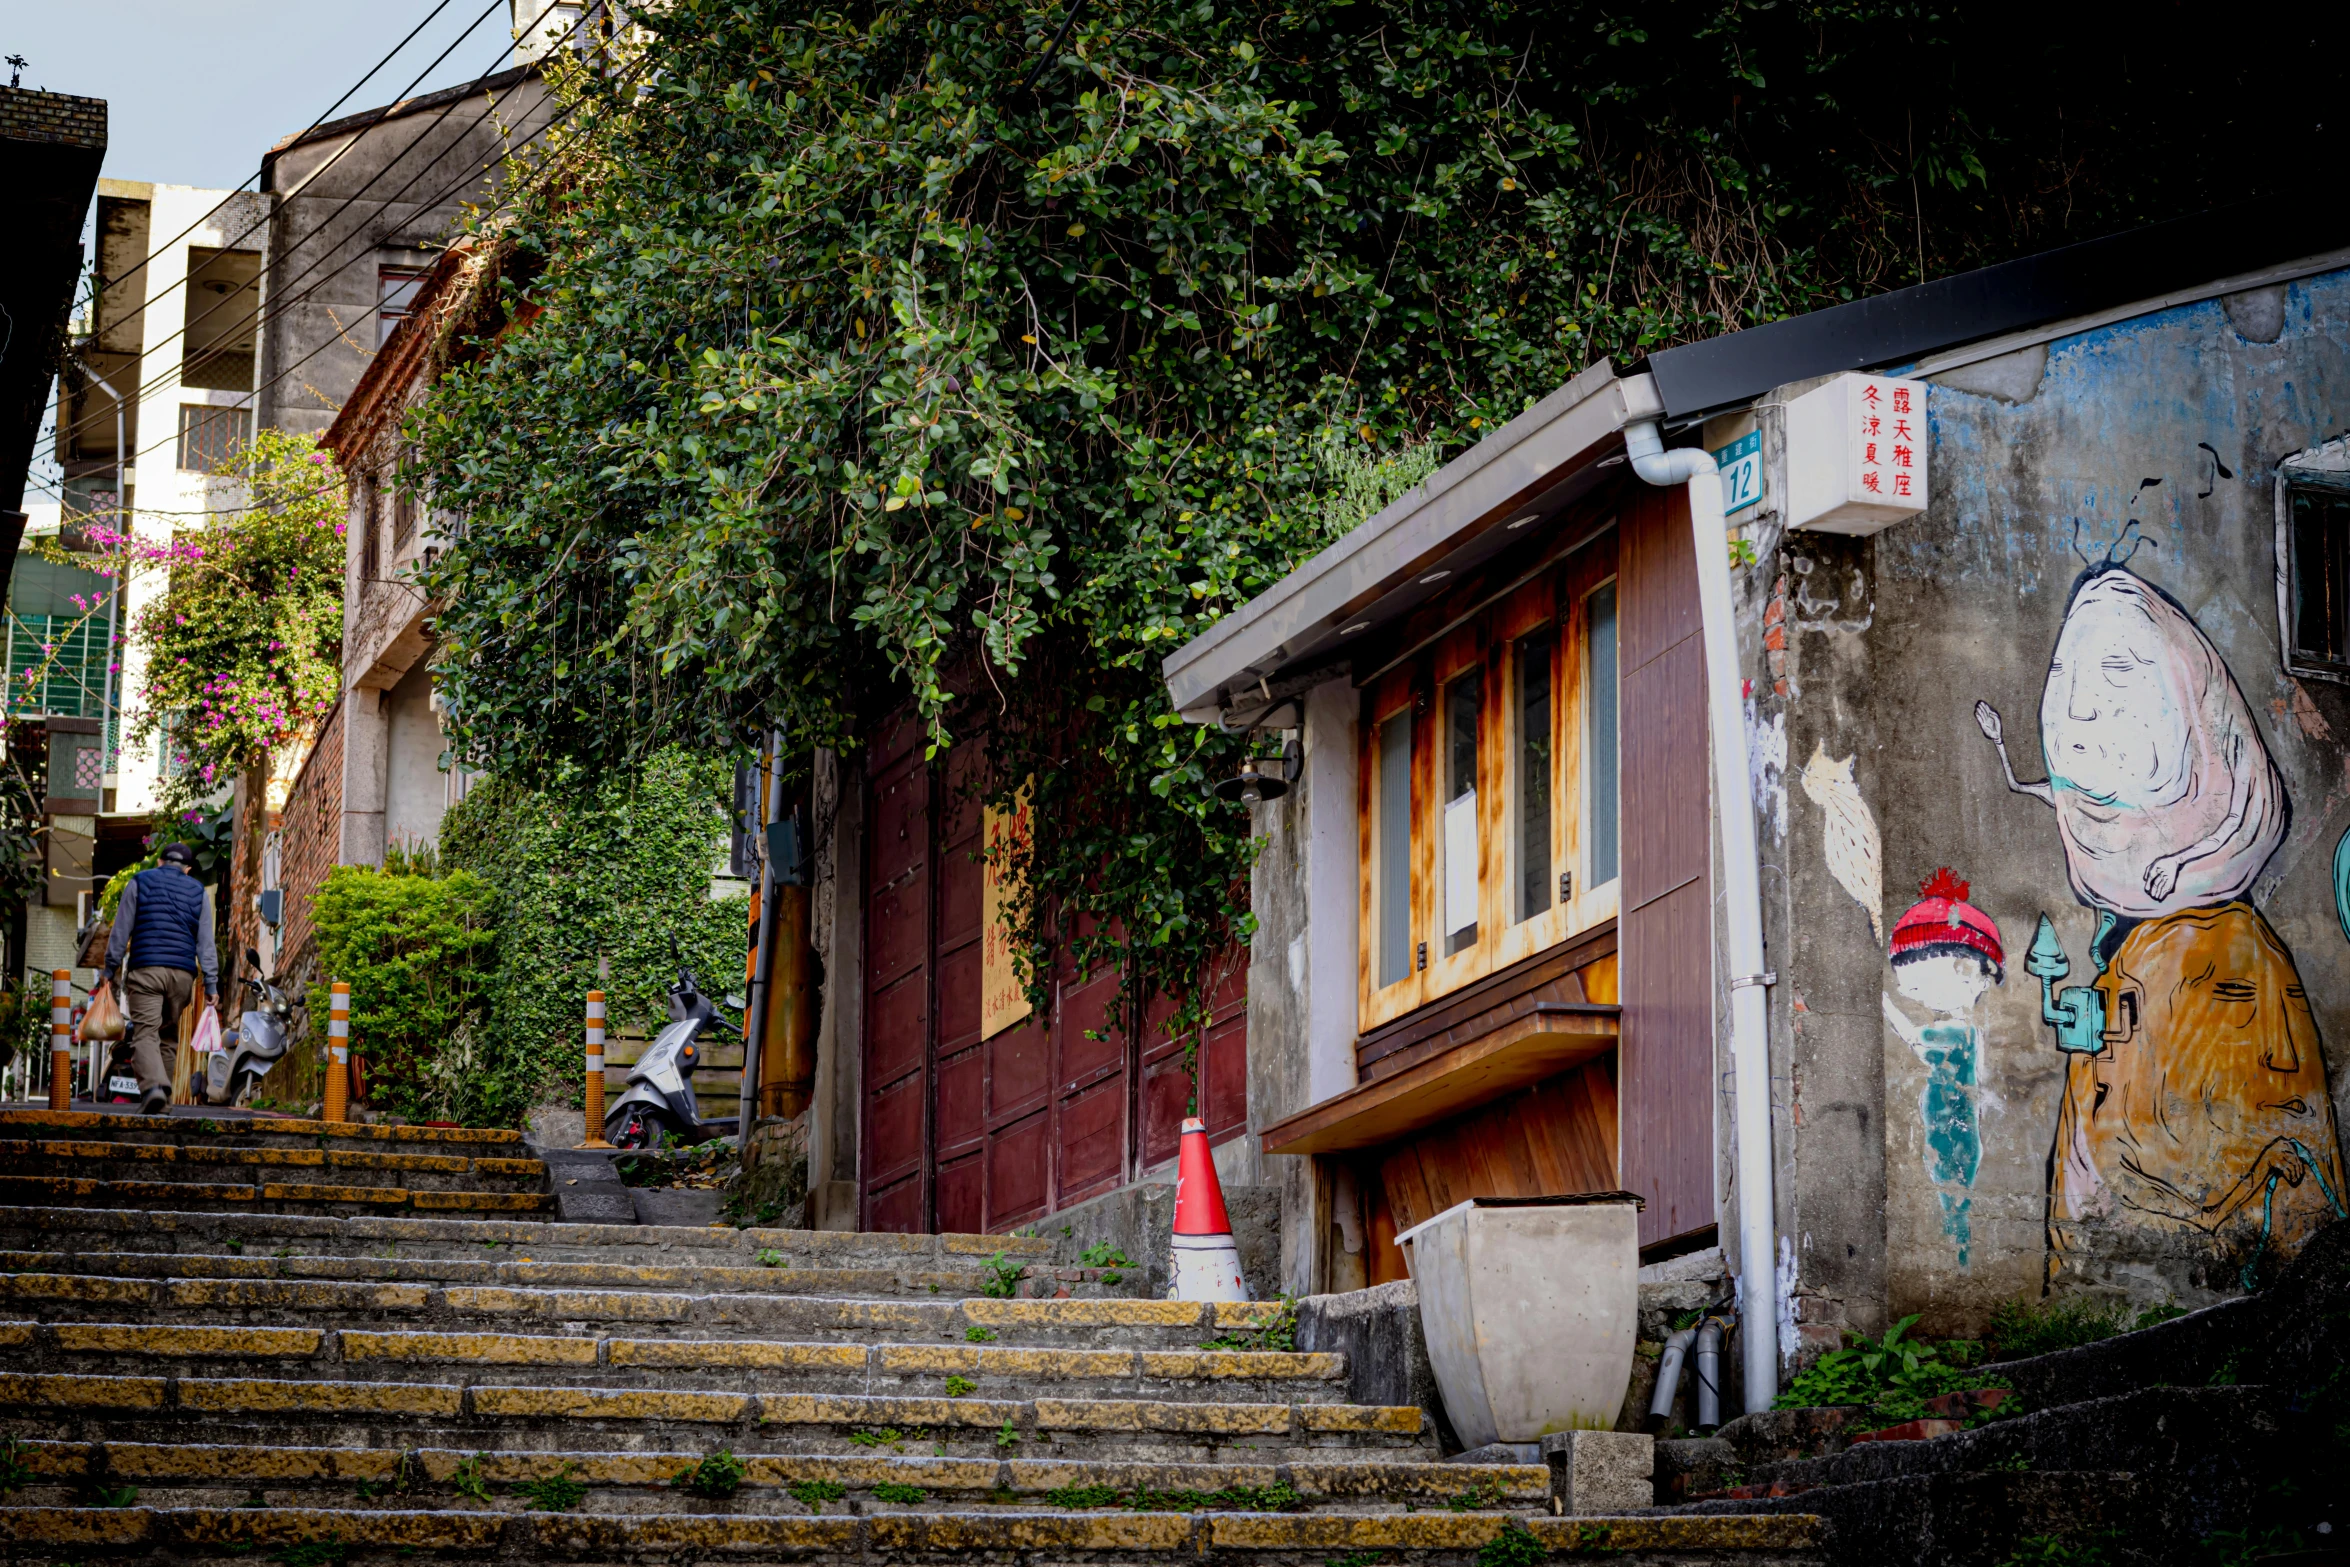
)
(240, 1064)
(659, 1097)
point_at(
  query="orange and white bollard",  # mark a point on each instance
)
(1207, 1262)
(338, 1052)
(595, 1072)
(61, 1039)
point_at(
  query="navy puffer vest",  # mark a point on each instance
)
(171, 903)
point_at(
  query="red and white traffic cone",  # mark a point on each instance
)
(1207, 1263)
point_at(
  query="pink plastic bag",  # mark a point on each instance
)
(207, 1036)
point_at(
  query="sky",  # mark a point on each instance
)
(197, 92)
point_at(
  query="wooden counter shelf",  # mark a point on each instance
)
(1556, 1036)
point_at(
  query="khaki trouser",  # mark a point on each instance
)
(153, 999)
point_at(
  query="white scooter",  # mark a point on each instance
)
(240, 1064)
(660, 1094)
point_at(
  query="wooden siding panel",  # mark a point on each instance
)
(1667, 1111)
(1666, 840)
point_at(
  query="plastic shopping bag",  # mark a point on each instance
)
(207, 1036)
(104, 1020)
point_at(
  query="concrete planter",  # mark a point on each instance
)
(1530, 1307)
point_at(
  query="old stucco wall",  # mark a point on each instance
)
(1877, 772)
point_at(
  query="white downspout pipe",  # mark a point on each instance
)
(1758, 1312)
(122, 518)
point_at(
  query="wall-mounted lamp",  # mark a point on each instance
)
(1253, 784)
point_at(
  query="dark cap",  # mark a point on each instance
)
(179, 854)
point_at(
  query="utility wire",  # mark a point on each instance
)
(255, 176)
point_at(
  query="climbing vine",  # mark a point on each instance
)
(972, 359)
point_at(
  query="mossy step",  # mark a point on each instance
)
(83, 1229)
(522, 1270)
(748, 1365)
(175, 1162)
(61, 1406)
(293, 1196)
(1148, 1324)
(195, 1475)
(1274, 1539)
(240, 1131)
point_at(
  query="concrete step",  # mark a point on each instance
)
(276, 1196)
(205, 1475)
(258, 1132)
(2110, 1517)
(217, 1351)
(1272, 1539)
(531, 1415)
(123, 1160)
(139, 1229)
(928, 1308)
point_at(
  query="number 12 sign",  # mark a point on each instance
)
(1741, 466)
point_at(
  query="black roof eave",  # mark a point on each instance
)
(2015, 296)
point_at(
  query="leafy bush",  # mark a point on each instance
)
(901, 1495)
(714, 1479)
(614, 870)
(416, 951)
(2021, 1329)
(1891, 1376)
(813, 1494)
(1002, 1280)
(559, 1492)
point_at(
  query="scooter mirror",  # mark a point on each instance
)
(733, 1003)
(253, 956)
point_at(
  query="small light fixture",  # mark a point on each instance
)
(1360, 625)
(1249, 786)
(1519, 522)
(1435, 576)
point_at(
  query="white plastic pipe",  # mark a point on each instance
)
(1758, 1315)
(122, 520)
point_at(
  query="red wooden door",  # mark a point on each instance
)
(1665, 932)
(978, 1136)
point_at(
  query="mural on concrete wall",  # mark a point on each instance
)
(2195, 1095)
(1946, 953)
(1855, 853)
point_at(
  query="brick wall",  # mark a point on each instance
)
(26, 115)
(309, 844)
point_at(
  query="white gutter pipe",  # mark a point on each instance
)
(1742, 890)
(122, 517)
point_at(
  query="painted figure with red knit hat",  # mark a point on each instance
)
(1946, 953)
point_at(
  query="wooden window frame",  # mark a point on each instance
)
(1484, 645)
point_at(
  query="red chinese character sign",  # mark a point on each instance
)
(1856, 454)
(1003, 1000)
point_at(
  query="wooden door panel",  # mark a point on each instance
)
(1667, 1109)
(1016, 1173)
(960, 1115)
(962, 1194)
(1093, 1140)
(897, 1209)
(897, 1029)
(900, 832)
(897, 933)
(893, 1124)
(1223, 1075)
(1019, 1070)
(959, 892)
(1084, 1012)
(1166, 1099)
(958, 997)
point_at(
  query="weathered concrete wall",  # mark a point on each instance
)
(2127, 475)
(1139, 1220)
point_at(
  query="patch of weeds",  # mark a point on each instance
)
(2021, 1329)
(813, 1494)
(1081, 1496)
(1275, 1498)
(1007, 1438)
(1892, 1376)
(714, 1479)
(1355, 1559)
(15, 1470)
(769, 1257)
(256, 1499)
(1277, 1336)
(977, 1335)
(2245, 1547)
(1002, 1278)
(879, 1436)
(312, 1553)
(367, 1490)
(958, 1386)
(900, 1495)
(113, 1495)
(467, 1480)
(559, 1492)
(235, 1248)
(2062, 1550)
(1477, 1499)
(2013, 1464)
(1105, 1255)
(1595, 1539)
(1515, 1546)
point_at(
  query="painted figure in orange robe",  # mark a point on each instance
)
(2195, 1097)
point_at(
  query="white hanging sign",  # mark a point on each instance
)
(1856, 454)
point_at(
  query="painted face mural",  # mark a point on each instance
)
(2195, 1093)
(1946, 953)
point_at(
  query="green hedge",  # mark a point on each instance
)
(615, 870)
(418, 952)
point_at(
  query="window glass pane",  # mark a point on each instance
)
(2321, 596)
(1395, 849)
(210, 438)
(1534, 764)
(1601, 828)
(1463, 701)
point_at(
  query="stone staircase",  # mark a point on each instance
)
(2222, 1436)
(72, 1158)
(232, 1379)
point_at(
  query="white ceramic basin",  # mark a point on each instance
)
(1530, 1306)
